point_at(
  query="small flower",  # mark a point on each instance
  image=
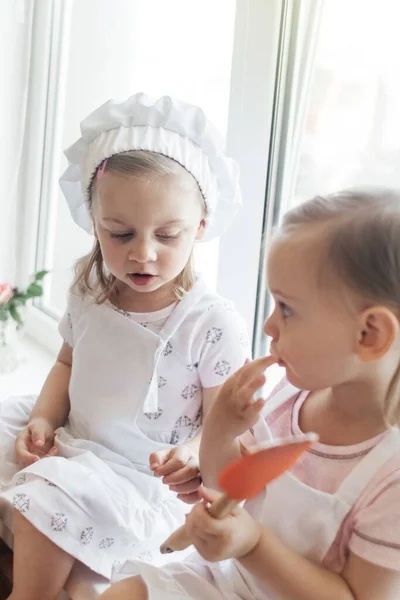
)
(12, 299)
(6, 292)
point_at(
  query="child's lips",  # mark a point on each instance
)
(141, 278)
(279, 361)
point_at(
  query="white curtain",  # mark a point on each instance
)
(15, 44)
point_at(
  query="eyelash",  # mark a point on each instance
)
(127, 236)
(120, 236)
(168, 237)
(284, 308)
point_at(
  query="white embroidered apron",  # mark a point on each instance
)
(103, 504)
(306, 519)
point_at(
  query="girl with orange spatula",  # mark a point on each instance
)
(328, 528)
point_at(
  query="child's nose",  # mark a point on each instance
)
(270, 328)
(142, 251)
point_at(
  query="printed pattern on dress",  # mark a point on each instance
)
(161, 381)
(168, 349)
(87, 535)
(222, 368)
(21, 502)
(107, 543)
(214, 335)
(183, 423)
(58, 521)
(155, 415)
(189, 392)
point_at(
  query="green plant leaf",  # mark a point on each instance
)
(39, 275)
(34, 290)
(15, 314)
(19, 300)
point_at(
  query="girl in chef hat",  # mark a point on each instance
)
(110, 446)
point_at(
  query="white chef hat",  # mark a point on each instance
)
(168, 126)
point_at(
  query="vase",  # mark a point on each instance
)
(8, 355)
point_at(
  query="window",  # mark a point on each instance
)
(336, 111)
(352, 128)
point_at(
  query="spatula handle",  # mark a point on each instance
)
(180, 540)
(222, 507)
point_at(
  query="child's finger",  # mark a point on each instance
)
(52, 452)
(265, 361)
(175, 463)
(39, 433)
(257, 366)
(252, 411)
(22, 445)
(188, 487)
(251, 386)
(209, 495)
(203, 524)
(183, 475)
(253, 376)
(157, 459)
(27, 458)
(24, 456)
(190, 498)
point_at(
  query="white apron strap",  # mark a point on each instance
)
(183, 308)
(288, 391)
(358, 479)
(261, 430)
(177, 317)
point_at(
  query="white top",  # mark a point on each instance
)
(201, 343)
(154, 321)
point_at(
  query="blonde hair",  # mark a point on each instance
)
(363, 249)
(91, 275)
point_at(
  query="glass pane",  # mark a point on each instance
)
(179, 48)
(352, 130)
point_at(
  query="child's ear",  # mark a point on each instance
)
(201, 230)
(378, 330)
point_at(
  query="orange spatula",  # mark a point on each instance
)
(246, 477)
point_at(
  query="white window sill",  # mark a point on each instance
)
(28, 378)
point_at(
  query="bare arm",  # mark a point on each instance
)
(53, 401)
(296, 578)
(217, 449)
(179, 467)
(233, 412)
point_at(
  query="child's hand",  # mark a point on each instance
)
(235, 410)
(218, 539)
(179, 468)
(35, 442)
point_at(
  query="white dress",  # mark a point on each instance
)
(132, 391)
(304, 518)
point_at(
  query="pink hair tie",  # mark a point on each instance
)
(101, 169)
